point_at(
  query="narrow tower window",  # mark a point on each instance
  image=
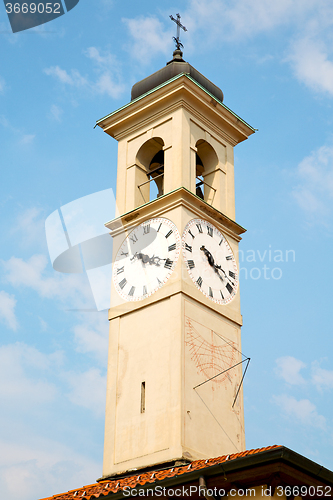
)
(156, 173)
(143, 397)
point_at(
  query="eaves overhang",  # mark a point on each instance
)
(164, 203)
(115, 121)
(284, 460)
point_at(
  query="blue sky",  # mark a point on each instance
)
(274, 63)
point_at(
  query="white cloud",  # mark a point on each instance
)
(74, 79)
(288, 369)
(7, 310)
(23, 138)
(302, 411)
(2, 85)
(241, 19)
(314, 192)
(88, 390)
(22, 380)
(56, 112)
(72, 288)
(312, 65)
(322, 378)
(93, 338)
(308, 43)
(38, 467)
(27, 138)
(30, 224)
(107, 81)
(107, 59)
(148, 38)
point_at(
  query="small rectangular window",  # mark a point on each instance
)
(143, 397)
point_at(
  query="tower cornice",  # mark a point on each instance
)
(163, 204)
(182, 89)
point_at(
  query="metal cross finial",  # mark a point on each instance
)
(179, 25)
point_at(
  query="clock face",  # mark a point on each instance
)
(146, 259)
(210, 261)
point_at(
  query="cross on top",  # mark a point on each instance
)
(179, 25)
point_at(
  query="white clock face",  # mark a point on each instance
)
(210, 261)
(146, 259)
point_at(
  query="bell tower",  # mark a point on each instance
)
(174, 368)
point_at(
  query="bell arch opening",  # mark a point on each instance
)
(205, 168)
(150, 159)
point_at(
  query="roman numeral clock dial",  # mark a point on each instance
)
(146, 259)
(210, 261)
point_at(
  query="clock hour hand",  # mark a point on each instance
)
(209, 256)
(210, 259)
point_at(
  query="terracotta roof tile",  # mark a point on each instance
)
(103, 488)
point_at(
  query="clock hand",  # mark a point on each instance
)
(146, 259)
(210, 259)
(153, 261)
(141, 256)
(209, 256)
(225, 274)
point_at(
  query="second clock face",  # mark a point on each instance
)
(210, 261)
(146, 259)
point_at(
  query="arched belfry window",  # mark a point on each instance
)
(199, 169)
(150, 159)
(206, 165)
(156, 173)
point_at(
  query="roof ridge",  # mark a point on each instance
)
(106, 486)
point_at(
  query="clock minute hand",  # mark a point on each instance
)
(209, 256)
(155, 260)
(225, 274)
(141, 256)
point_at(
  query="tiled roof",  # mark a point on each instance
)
(115, 485)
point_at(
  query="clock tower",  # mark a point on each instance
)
(175, 365)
